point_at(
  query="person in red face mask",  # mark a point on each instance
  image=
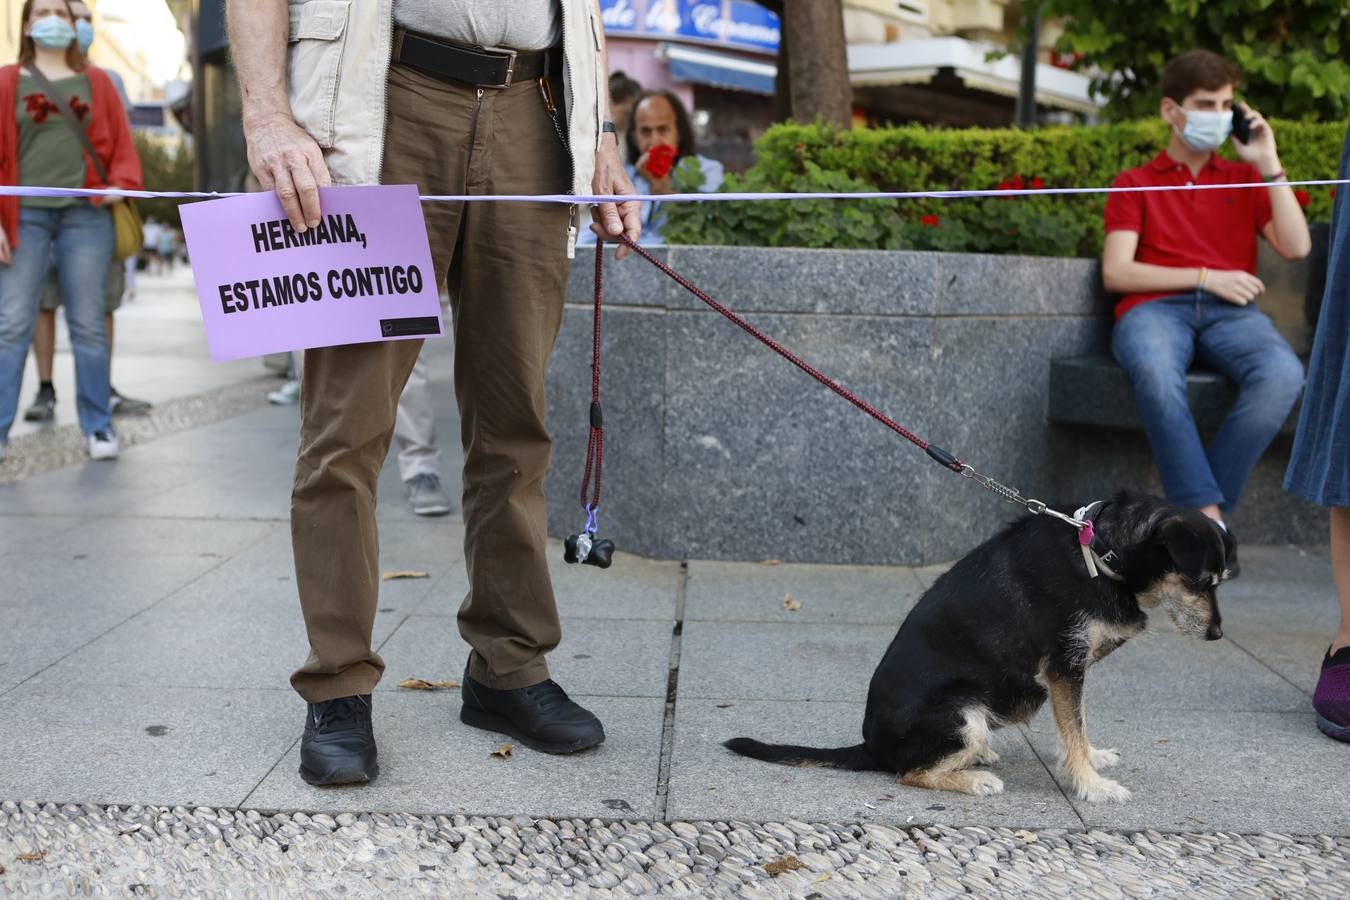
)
(660, 140)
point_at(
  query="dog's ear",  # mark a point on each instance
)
(1189, 550)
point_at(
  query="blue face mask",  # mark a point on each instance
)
(52, 33)
(1206, 131)
(84, 33)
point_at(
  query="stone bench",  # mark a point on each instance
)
(1093, 390)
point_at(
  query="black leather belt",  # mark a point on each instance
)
(479, 66)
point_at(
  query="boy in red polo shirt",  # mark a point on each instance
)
(1185, 265)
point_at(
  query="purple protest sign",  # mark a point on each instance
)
(364, 274)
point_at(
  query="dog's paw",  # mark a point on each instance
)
(1103, 790)
(984, 784)
(1105, 759)
(987, 757)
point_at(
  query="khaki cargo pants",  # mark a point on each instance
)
(506, 268)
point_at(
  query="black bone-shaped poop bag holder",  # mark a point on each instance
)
(585, 549)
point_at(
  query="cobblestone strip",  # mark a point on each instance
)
(52, 850)
(44, 451)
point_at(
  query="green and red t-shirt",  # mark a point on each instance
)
(49, 155)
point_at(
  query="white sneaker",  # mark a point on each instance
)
(286, 395)
(103, 445)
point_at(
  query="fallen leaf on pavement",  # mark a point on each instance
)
(772, 562)
(725, 705)
(1163, 741)
(411, 573)
(823, 876)
(790, 604)
(504, 751)
(1026, 837)
(788, 863)
(419, 684)
(2, 870)
(31, 857)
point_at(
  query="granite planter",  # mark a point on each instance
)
(718, 449)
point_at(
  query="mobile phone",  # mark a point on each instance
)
(1242, 131)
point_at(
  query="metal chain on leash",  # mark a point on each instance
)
(939, 455)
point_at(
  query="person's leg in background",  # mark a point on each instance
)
(419, 457)
(1331, 700)
(43, 407)
(20, 287)
(1155, 344)
(121, 404)
(289, 393)
(1241, 342)
(129, 267)
(83, 253)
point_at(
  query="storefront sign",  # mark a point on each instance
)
(726, 23)
(364, 274)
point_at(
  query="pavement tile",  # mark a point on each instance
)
(729, 592)
(1161, 670)
(431, 763)
(25, 535)
(1216, 770)
(772, 661)
(96, 488)
(144, 538)
(53, 604)
(148, 745)
(253, 492)
(435, 546)
(185, 646)
(625, 658)
(1282, 610)
(710, 782)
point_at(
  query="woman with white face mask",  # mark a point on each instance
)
(51, 104)
(43, 407)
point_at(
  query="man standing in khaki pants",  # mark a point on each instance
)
(457, 97)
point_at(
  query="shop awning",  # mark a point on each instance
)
(721, 70)
(917, 62)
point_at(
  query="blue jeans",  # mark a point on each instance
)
(1157, 342)
(79, 240)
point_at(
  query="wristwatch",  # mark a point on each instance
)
(607, 127)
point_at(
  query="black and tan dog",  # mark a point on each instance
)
(1019, 619)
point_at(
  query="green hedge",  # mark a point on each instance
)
(817, 158)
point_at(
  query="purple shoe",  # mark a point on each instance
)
(1331, 700)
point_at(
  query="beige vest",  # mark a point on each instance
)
(338, 64)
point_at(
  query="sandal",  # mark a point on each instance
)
(1331, 700)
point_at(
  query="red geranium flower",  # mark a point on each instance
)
(1037, 183)
(930, 221)
(1017, 183)
(1333, 193)
(1303, 198)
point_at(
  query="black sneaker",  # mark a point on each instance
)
(338, 746)
(540, 716)
(43, 408)
(126, 406)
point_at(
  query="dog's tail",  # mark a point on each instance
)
(855, 759)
